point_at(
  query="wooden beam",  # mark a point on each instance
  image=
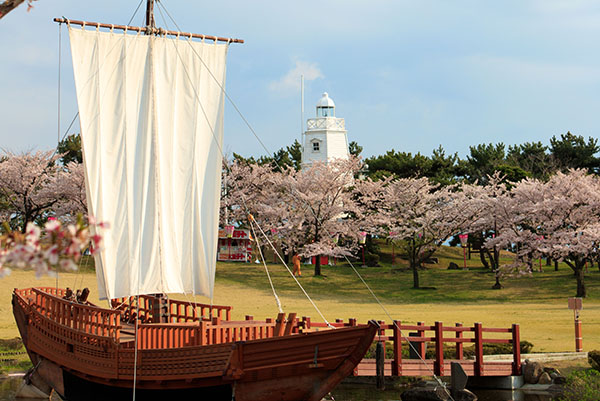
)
(155, 31)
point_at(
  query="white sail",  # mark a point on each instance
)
(152, 127)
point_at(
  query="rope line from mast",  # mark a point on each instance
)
(245, 206)
(410, 344)
(277, 301)
(135, 12)
(161, 5)
(292, 275)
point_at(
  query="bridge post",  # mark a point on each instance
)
(421, 343)
(397, 364)
(382, 334)
(516, 343)
(459, 346)
(439, 349)
(478, 349)
(380, 365)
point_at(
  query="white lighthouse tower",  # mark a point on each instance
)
(325, 138)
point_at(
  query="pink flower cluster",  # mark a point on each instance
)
(57, 247)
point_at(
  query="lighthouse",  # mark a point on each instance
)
(325, 137)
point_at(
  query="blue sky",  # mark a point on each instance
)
(407, 75)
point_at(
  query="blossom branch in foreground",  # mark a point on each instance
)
(61, 246)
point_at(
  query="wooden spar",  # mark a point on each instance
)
(156, 31)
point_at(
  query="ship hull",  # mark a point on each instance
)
(76, 350)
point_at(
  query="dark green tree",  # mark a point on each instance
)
(354, 148)
(482, 161)
(400, 164)
(572, 151)
(532, 157)
(442, 168)
(289, 156)
(70, 149)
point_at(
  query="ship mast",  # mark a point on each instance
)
(150, 14)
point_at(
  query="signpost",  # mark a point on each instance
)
(576, 304)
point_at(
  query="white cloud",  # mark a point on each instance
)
(290, 82)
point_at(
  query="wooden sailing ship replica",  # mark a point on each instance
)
(151, 113)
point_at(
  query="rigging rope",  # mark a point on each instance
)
(135, 12)
(160, 6)
(159, 2)
(410, 344)
(292, 275)
(265, 264)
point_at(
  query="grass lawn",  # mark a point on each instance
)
(538, 302)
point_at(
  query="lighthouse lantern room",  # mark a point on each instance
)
(325, 138)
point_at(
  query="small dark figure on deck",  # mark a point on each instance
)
(296, 262)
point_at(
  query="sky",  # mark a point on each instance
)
(405, 75)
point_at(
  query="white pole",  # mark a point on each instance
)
(302, 112)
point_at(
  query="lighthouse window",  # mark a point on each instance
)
(315, 146)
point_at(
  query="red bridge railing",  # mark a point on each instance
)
(439, 335)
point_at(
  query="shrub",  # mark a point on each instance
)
(594, 359)
(372, 259)
(582, 385)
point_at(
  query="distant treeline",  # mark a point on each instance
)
(515, 162)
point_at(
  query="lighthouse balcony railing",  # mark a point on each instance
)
(322, 123)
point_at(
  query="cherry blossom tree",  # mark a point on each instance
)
(559, 219)
(497, 213)
(250, 199)
(421, 216)
(30, 185)
(316, 209)
(72, 200)
(309, 211)
(246, 188)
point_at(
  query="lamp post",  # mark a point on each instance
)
(464, 238)
(362, 239)
(540, 238)
(274, 233)
(229, 233)
(392, 234)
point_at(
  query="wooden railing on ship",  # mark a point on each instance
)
(153, 336)
(82, 317)
(178, 311)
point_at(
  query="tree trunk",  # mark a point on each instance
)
(484, 261)
(556, 265)
(415, 270)
(8, 6)
(580, 284)
(318, 265)
(496, 268)
(548, 261)
(413, 264)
